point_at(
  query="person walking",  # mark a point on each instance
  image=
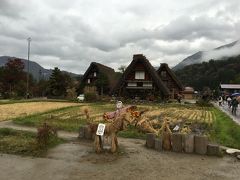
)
(229, 99)
(220, 99)
(234, 106)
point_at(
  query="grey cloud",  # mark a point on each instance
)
(71, 35)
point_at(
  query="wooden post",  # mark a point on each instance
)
(150, 140)
(177, 145)
(158, 144)
(200, 144)
(188, 143)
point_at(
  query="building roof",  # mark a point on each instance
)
(142, 59)
(109, 72)
(230, 86)
(164, 66)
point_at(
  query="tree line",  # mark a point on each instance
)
(13, 83)
(211, 74)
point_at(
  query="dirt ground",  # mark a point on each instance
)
(9, 111)
(76, 160)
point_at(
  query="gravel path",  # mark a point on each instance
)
(76, 160)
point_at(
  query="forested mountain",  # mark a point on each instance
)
(219, 53)
(211, 74)
(37, 71)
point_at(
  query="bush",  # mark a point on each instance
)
(44, 134)
(90, 96)
(203, 103)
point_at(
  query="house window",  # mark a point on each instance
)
(147, 84)
(95, 74)
(132, 84)
(139, 75)
(88, 81)
(164, 74)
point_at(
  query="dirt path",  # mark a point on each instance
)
(61, 134)
(76, 160)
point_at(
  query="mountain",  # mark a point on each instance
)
(211, 74)
(37, 71)
(219, 53)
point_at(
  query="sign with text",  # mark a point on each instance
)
(100, 129)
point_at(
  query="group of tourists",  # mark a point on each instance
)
(231, 102)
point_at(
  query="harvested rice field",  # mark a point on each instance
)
(10, 111)
(189, 118)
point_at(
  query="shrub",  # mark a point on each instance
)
(90, 96)
(203, 103)
(44, 134)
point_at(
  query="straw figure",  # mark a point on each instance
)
(145, 126)
(86, 112)
(166, 136)
(111, 130)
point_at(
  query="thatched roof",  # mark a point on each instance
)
(109, 72)
(139, 58)
(164, 67)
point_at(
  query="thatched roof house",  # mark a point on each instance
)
(170, 80)
(99, 77)
(141, 80)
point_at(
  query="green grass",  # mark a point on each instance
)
(53, 118)
(23, 143)
(225, 131)
(132, 132)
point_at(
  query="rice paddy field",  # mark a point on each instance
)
(188, 117)
(13, 110)
(70, 116)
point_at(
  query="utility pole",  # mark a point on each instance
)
(27, 94)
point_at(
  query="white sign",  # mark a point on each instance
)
(100, 129)
(176, 128)
(119, 104)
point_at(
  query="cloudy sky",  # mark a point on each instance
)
(70, 34)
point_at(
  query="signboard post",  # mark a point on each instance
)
(100, 129)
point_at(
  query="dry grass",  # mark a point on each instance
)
(9, 111)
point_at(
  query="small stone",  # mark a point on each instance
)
(158, 144)
(150, 140)
(213, 150)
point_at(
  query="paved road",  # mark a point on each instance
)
(228, 111)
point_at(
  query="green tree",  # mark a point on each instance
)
(13, 78)
(102, 83)
(59, 83)
(122, 68)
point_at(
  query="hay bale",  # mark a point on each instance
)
(150, 140)
(177, 144)
(213, 150)
(200, 144)
(188, 141)
(158, 144)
